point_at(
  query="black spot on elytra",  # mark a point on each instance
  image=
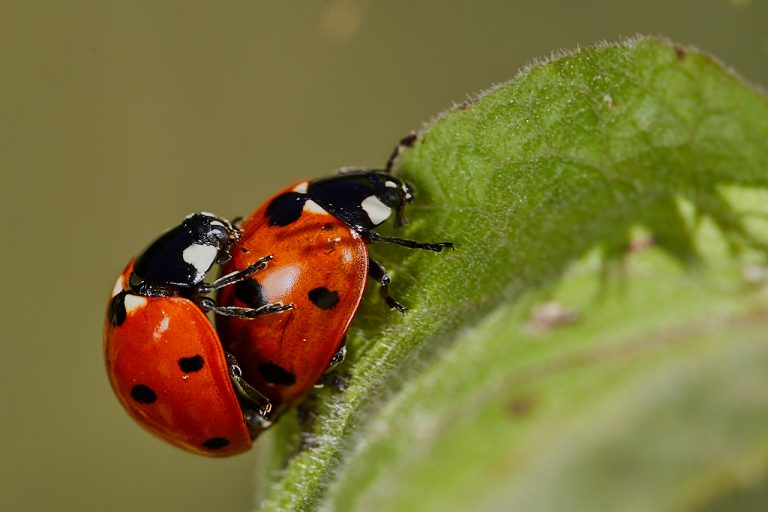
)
(191, 364)
(276, 374)
(323, 298)
(251, 293)
(143, 394)
(285, 208)
(116, 311)
(216, 443)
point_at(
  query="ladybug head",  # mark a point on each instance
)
(208, 230)
(394, 193)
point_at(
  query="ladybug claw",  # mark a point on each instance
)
(395, 305)
(438, 247)
(268, 309)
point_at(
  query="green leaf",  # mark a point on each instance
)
(597, 340)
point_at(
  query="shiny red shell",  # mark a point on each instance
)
(320, 266)
(167, 367)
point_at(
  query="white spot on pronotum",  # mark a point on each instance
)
(134, 303)
(301, 188)
(311, 206)
(377, 211)
(390, 184)
(201, 257)
(118, 286)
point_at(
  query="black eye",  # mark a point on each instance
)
(390, 197)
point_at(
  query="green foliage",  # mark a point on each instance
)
(597, 339)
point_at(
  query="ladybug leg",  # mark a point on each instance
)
(208, 304)
(333, 380)
(234, 277)
(406, 142)
(255, 422)
(378, 273)
(372, 236)
(257, 407)
(339, 356)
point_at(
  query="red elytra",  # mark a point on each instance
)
(169, 371)
(320, 267)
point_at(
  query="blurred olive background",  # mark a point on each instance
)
(118, 118)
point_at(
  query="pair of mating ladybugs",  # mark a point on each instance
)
(303, 255)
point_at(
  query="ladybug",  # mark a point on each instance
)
(163, 357)
(319, 231)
